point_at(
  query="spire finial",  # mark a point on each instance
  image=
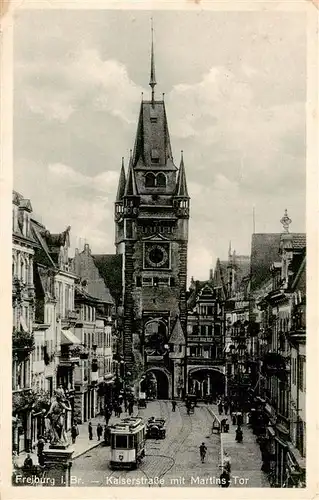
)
(152, 78)
(286, 221)
(123, 161)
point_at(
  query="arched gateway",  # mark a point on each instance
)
(156, 383)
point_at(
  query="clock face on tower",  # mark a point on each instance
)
(157, 255)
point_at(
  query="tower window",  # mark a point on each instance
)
(149, 180)
(160, 180)
(138, 281)
(154, 155)
(172, 282)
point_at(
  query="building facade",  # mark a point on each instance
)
(94, 305)
(23, 308)
(151, 234)
(205, 341)
(278, 292)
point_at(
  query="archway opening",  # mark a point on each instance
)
(206, 382)
(155, 384)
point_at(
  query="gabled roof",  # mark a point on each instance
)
(177, 337)
(181, 184)
(110, 269)
(152, 138)
(264, 251)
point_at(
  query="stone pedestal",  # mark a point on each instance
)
(58, 463)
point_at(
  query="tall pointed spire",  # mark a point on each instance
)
(181, 185)
(152, 77)
(130, 187)
(122, 182)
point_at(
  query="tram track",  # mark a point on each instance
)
(153, 470)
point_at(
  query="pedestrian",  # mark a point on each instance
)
(99, 431)
(220, 407)
(40, 446)
(28, 463)
(131, 408)
(106, 435)
(226, 407)
(239, 434)
(234, 418)
(108, 414)
(224, 479)
(222, 424)
(74, 432)
(174, 405)
(202, 452)
(227, 462)
(90, 429)
(240, 419)
(119, 410)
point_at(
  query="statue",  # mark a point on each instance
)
(56, 415)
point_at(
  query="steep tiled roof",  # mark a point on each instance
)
(264, 251)
(177, 336)
(152, 137)
(299, 240)
(110, 269)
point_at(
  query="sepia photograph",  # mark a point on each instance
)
(159, 248)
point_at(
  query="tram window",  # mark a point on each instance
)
(130, 442)
(112, 441)
(121, 442)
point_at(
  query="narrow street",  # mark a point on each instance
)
(173, 461)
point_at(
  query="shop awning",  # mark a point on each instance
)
(68, 338)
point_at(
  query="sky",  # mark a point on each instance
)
(235, 92)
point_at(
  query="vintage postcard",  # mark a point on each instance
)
(158, 246)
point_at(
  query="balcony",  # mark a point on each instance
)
(199, 339)
(200, 360)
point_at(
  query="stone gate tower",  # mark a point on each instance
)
(151, 232)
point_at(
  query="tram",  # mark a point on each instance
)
(127, 443)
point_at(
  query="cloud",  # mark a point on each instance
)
(232, 105)
(83, 75)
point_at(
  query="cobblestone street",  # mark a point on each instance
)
(175, 459)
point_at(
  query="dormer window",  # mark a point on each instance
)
(155, 155)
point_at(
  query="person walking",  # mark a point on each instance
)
(99, 431)
(90, 429)
(224, 479)
(74, 432)
(108, 414)
(119, 411)
(40, 448)
(227, 462)
(131, 408)
(174, 405)
(202, 452)
(226, 407)
(220, 407)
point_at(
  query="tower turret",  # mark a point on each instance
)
(181, 199)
